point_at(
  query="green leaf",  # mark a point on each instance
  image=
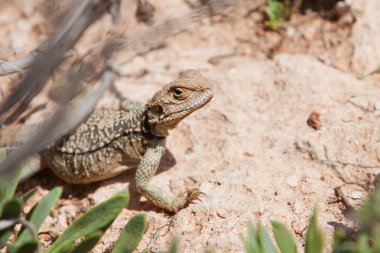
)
(339, 237)
(88, 243)
(345, 247)
(265, 241)
(369, 212)
(8, 183)
(252, 245)
(314, 237)
(342, 244)
(173, 246)
(28, 246)
(363, 244)
(66, 248)
(12, 210)
(376, 238)
(131, 235)
(36, 216)
(98, 218)
(29, 194)
(274, 9)
(283, 237)
(40, 211)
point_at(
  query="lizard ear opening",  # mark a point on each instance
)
(154, 113)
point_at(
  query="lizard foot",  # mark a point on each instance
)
(186, 198)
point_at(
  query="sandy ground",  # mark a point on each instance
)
(250, 150)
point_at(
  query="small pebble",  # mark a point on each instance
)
(356, 195)
(292, 181)
(314, 120)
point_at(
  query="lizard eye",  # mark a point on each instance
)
(179, 93)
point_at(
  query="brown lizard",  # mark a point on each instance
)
(111, 142)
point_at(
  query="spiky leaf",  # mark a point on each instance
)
(36, 216)
(283, 237)
(98, 218)
(12, 210)
(28, 246)
(252, 245)
(131, 235)
(265, 241)
(363, 244)
(342, 244)
(88, 243)
(29, 194)
(369, 213)
(314, 237)
(8, 183)
(376, 240)
(173, 246)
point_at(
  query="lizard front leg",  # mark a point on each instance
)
(146, 169)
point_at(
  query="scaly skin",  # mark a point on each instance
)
(109, 143)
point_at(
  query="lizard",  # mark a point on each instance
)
(111, 142)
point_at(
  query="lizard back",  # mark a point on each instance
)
(98, 131)
(107, 144)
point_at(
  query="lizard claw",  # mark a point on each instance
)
(186, 198)
(193, 195)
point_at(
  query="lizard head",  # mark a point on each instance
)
(176, 100)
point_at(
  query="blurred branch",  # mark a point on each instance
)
(146, 39)
(51, 54)
(64, 119)
(23, 63)
(7, 68)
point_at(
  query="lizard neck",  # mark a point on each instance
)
(153, 129)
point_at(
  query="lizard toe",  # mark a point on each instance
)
(186, 198)
(193, 195)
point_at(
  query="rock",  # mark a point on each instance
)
(356, 195)
(292, 181)
(366, 36)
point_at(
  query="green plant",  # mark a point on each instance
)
(260, 242)
(89, 228)
(278, 11)
(274, 10)
(366, 240)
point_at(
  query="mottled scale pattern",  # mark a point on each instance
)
(99, 130)
(117, 157)
(122, 148)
